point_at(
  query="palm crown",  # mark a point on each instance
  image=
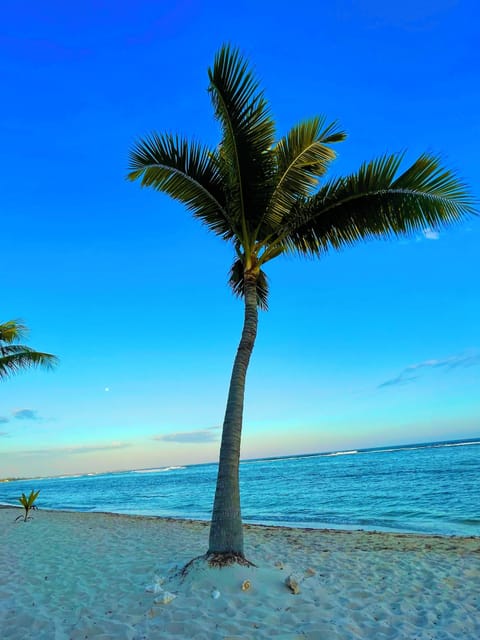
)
(264, 196)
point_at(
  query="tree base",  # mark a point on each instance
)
(227, 559)
(217, 560)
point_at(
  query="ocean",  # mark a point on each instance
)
(423, 488)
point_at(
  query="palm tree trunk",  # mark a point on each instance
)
(226, 533)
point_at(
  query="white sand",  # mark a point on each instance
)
(81, 575)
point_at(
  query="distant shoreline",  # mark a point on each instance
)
(334, 452)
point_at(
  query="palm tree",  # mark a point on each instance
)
(15, 357)
(264, 198)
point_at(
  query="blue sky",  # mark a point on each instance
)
(378, 344)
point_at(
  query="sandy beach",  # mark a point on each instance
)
(84, 575)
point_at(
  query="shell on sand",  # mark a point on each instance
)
(165, 598)
(156, 586)
(292, 584)
(246, 584)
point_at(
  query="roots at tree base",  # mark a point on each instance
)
(219, 560)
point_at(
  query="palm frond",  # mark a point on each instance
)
(237, 281)
(14, 358)
(373, 202)
(302, 156)
(186, 171)
(12, 331)
(248, 135)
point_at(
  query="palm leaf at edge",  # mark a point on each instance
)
(24, 358)
(12, 330)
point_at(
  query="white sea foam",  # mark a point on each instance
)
(341, 453)
(457, 444)
(159, 470)
(433, 445)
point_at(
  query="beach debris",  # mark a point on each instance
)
(165, 598)
(156, 586)
(310, 572)
(292, 583)
(246, 584)
(215, 594)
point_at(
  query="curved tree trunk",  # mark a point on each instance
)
(226, 533)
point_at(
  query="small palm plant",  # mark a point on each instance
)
(28, 504)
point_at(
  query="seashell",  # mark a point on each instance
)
(215, 594)
(165, 598)
(279, 564)
(292, 584)
(246, 584)
(310, 571)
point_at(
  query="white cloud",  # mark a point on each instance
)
(201, 435)
(460, 360)
(431, 234)
(76, 450)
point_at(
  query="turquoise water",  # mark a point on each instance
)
(425, 488)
